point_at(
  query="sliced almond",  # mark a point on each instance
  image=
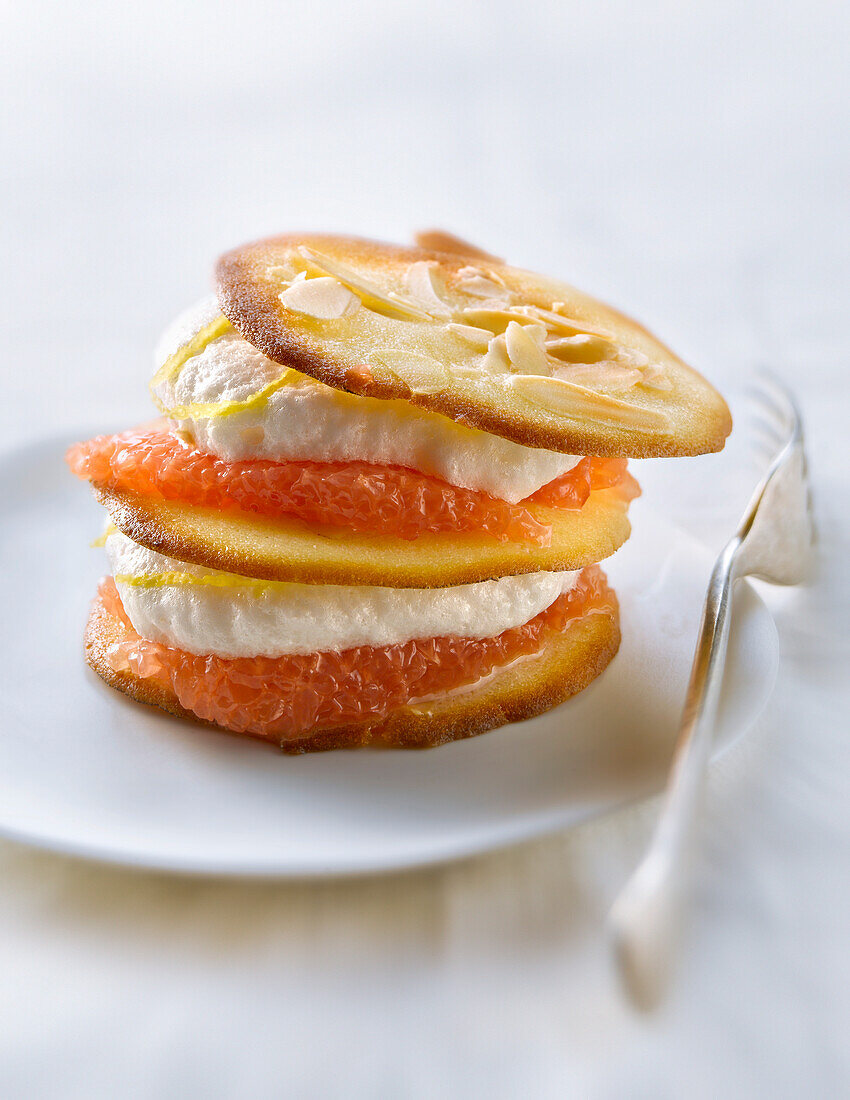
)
(420, 281)
(565, 399)
(655, 377)
(605, 376)
(494, 318)
(324, 298)
(281, 273)
(480, 284)
(632, 357)
(524, 351)
(538, 334)
(472, 272)
(496, 360)
(479, 337)
(567, 326)
(420, 373)
(368, 292)
(582, 348)
(471, 372)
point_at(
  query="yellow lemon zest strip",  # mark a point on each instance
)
(171, 368)
(109, 529)
(199, 409)
(211, 580)
(175, 363)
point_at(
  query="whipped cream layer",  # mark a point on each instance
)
(237, 617)
(305, 419)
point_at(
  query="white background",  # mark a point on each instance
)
(689, 162)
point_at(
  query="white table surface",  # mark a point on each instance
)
(689, 163)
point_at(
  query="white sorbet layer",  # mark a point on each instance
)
(308, 420)
(281, 618)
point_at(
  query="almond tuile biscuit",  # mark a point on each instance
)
(288, 550)
(394, 347)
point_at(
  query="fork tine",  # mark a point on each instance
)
(763, 376)
(764, 448)
(762, 420)
(768, 428)
(779, 395)
(770, 401)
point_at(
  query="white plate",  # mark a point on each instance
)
(85, 771)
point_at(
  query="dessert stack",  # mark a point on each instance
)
(374, 504)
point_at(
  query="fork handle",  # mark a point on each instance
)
(646, 920)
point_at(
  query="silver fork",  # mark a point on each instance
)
(773, 542)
